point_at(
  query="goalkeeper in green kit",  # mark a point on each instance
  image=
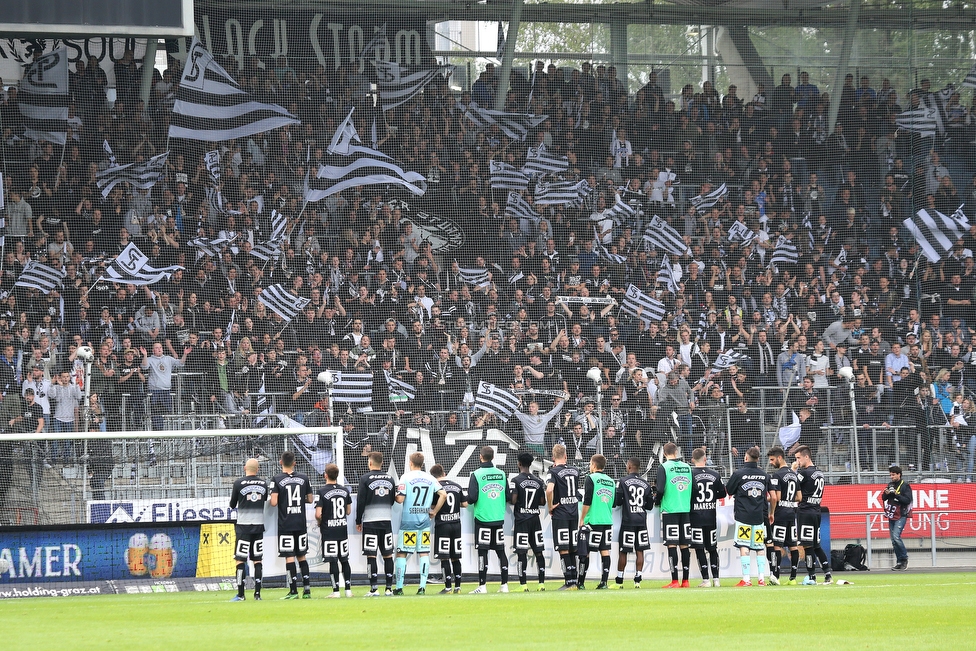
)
(488, 496)
(596, 520)
(673, 494)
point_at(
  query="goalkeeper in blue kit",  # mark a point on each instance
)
(416, 492)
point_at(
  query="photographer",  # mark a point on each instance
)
(897, 508)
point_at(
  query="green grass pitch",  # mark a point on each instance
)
(880, 611)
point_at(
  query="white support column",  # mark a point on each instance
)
(618, 49)
(842, 64)
(506, 72)
(148, 64)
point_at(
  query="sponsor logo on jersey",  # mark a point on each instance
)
(681, 483)
(492, 490)
(605, 495)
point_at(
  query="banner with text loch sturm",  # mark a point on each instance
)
(944, 501)
(308, 36)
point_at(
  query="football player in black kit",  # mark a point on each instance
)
(812, 483)
(636, 497)
(374, 511)
(249, 495)
(528, 498)
(749, 486)
(290, 492)
(706, 490)
(562, 497)
(333, 504)
(447, 531)
(784, 493)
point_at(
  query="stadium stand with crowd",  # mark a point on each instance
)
(691, 248)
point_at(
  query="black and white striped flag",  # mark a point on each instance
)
(399, 390)
(379, 40)
(138, 175)
(40, 277)
(505, 177)
(619, 212)
(268, 251)
(215, 200)
(495, 400)
(513, 125)
(206, 246)
(670, 275)
(935, 233)
(727, 360)
(739, 232)
(560, 192)
(343, 172)
(704, 201)
(603, 252)
(282, 302)
(970, 80)
(500, 44)
(473, 275)
(923, 120)
(540, 161)
(132, 267)
(279, 224)
(660, 235)
(211, 106)
(44, 97)
(396, 84)
(651, 309)
(352, 387)
(785, 252)
(518, 207)
(351, 165)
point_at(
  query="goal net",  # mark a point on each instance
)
(154, 505)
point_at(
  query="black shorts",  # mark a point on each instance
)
(250, 542)
(676, 528)
(292, 543)
(808, 527)
(528, 535)
(594, 538)
(783, 531)
(447, 540)
(377, 539)
(704, 537)
(633, 538)
(565, 535)
(335, 542)
(489, 535)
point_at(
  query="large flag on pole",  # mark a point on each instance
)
(505, 177)
(651, 309)
(40, 277)
(351, 164)
(141, 175)
(211, 106)
(513, 125)
(660, 235)
(396, 84)
(43, 98)
(923, 120)
(132, 267)
(936, 233)
(282, 302)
